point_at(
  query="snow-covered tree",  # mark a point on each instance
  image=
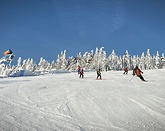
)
(2, 69)
(42, 65)
(102, 58)
(61, 61)
(71, 64)
(98, 59)
(89, 59)
(148, 60)
(142, 61)
(162, 61)
(126, 60)
(157, 61)
(135, 61)
(53, 65)
(112, 61)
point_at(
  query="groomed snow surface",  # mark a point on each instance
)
(65, 102)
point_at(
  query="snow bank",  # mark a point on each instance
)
(19, 73)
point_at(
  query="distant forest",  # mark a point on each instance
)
(89, 61)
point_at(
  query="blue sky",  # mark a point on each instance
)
(44, 28)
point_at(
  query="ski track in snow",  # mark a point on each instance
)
(65, 102)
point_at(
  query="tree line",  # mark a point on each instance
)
(92, 60)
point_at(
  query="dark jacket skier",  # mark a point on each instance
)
(137, 71)
(98, 74)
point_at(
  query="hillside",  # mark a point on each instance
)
(64, 102)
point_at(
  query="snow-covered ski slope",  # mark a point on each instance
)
(64, 102)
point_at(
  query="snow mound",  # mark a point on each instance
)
(22, 73)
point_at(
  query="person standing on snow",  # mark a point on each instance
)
(137, 71)
(98, 74)
(125, 70)
(81, 73)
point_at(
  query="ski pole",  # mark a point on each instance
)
(131, 78)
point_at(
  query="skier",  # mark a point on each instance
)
(137, 71)
(125, 70)
(78, 69)
(81, 73)
(99, 74)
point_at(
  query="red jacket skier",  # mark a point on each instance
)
(81, 73)
(138, 72)
(125, 70)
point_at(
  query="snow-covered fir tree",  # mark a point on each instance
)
(52, 65)
(157, 61)
(126, 60)
(42, 65)
(142, 61)
(135, 61)
(162, 61)
(112, 61)
(148, 61)
(97, 60)
(80, 60)
(2, 69)
(89, 60)
(61, 62)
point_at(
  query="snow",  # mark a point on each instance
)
(65, 102)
